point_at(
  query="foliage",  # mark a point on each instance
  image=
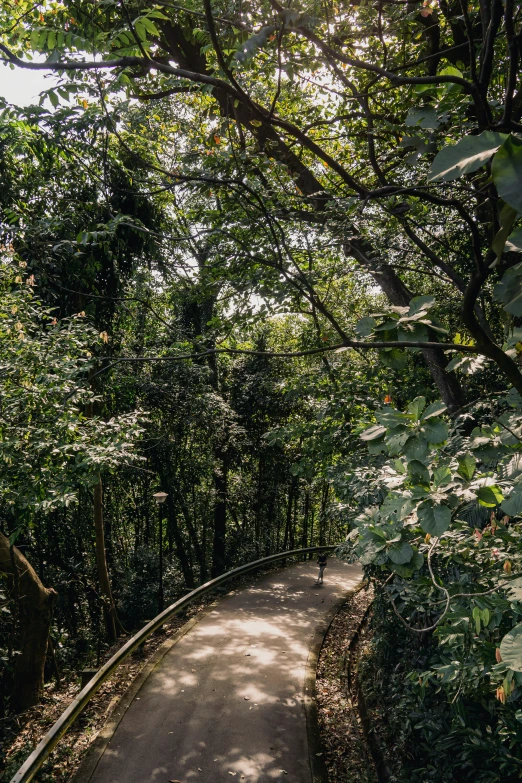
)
(49, 446)
(255, 187)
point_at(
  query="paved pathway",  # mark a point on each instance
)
(226, 702)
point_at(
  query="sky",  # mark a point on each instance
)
(22, 87)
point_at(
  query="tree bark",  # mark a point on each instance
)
(220, 515)
(181, 553)
(35, 608)
(109, 610)
(398, 294)
(190, 56)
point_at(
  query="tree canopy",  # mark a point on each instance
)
(267, 259)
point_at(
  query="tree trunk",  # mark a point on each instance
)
(181, 553)
(109, 610)
(220, 516)
(306, 513)
(399, 295)
(322, 513)
(289, 508)
(35, 608)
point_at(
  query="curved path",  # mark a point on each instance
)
(226, 702)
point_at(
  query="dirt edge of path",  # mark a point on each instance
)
(316, 753)
(345, 753)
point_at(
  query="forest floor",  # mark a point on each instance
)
(347, 754)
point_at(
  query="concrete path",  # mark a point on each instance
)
(226, 703)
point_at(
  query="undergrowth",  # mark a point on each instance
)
(426, 735)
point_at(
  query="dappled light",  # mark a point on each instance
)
(229, 696)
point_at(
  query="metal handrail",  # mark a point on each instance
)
(34, 762)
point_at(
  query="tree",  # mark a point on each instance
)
(262, 73)
(49, 448)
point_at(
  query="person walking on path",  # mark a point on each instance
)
(322, 561)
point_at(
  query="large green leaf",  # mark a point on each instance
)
(393, 358)
(435, 409)
(511, 648)
(514, 241)
(467, 155)
(490, 496)
(406, 571)
(413, 332)
(365, 326)
(514, 589)
(419, 472)
(400, 553)
(509, 290)
(467, 466)
(512, 506)
(434, 520)
(506, 170)
(424, 116)
(420, 303)
(416, 407)
(395, 441)
(435, 430)
(416, 447)
(508, 215)
(373, 433)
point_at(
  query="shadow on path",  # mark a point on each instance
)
(226, 702)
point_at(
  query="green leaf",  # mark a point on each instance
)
(416, 332)
(514, 589)
(418, 472)
(424, 116)
(490, 496)
(149, 26)
(416, 448)
(435, 431)
(400, 553)
(434, 520)
(477, 617)
(396, 507)
(419, 303)
(467, 467)
(467, 155)
(507, 216)
(511, 648)
(373, 433)
(441, 476)
(512, 506)
(513, 398)
(506, 171)
(365, 326)
(140, 29)
(435, 409)
(514, 242)
(417, 560)
(395, 441)
(399, 466)
(509, 290)
(393, 358)
(416, 407)
(370, 552)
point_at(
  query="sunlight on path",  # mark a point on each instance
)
(226, 702)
